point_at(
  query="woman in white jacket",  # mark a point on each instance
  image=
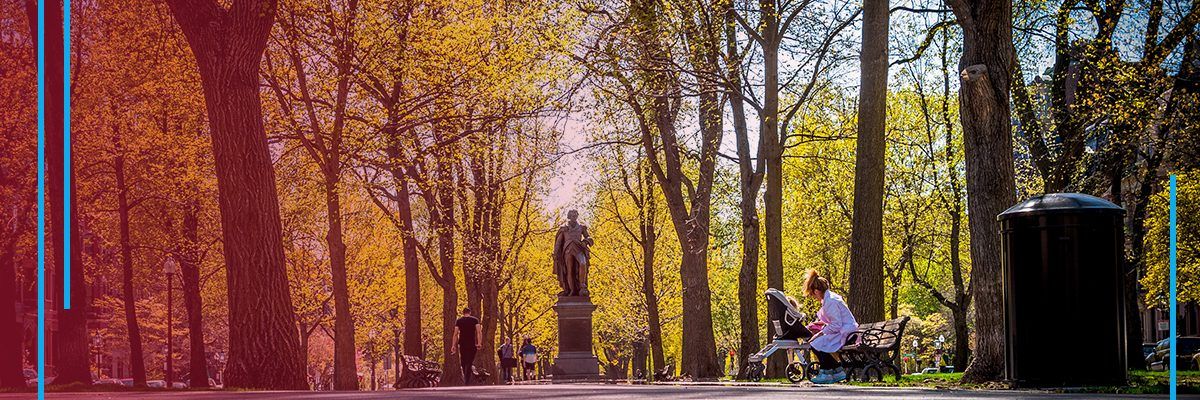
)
(835, 324)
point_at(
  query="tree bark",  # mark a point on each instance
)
(264, 350)
(412, 272)
(11, 331)
(70, 341)
(189, 267)
(12, 334)
(345, 371)
(649, 239)
(866, 235)
(441, 205)
(133, 330)
(987, 135)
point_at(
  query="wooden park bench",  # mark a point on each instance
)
(418, 373)
(876, 350)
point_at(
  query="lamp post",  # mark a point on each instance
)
(169, 268)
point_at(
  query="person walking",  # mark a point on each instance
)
(508, 359)
(528, 358)
(469, 339)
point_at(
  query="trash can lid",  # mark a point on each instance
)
(1061, 203)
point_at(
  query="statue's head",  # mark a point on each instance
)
(572, 215)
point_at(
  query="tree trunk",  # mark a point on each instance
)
(690, 208)
(412, 272)
(962, 302)
(11, 331)
(699, 358)
(866, 235)
(264, 350)
(772, 153)
(344, 369)
(962, 340)
(189, 266)
(70, 343)
(649, 244)
(987, 135)
(444, 203)
(136, 358)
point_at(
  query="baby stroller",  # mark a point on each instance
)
(789, 334)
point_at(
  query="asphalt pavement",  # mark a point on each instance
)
(610, 392)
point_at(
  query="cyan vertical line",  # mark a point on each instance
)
(1174, 312)
(41, 195)
(67, 154)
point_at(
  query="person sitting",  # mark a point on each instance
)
(834, 325)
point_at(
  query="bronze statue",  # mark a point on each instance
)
(571, 256)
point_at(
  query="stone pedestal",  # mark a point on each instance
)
(575, 359)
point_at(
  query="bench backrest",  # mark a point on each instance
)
(414, 363)
(882, 334)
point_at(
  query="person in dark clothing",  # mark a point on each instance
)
(469, 339)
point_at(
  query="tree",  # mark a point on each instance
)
(71, 340)
(18, 135)
(777, 21)
(986, 65)
(1109, 115)
(750, 178)
(190, 252)
(866, 237)
(688, 202)
(640, 225)
(228, 44)
(124, 204)
(323, 142)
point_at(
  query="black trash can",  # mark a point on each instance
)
(1063, 293)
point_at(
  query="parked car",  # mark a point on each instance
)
(156, 384)
(107, 381)
(1185, 353)
(127, 382)
(1148, 349)
(31, 378)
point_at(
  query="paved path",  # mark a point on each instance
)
(608, 392)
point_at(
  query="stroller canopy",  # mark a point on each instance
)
(791, 319)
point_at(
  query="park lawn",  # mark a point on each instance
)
(1140, 382)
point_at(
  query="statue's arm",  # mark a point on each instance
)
(587, 237)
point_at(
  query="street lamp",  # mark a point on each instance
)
(170, 268)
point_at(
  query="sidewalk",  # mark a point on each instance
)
(690, 391)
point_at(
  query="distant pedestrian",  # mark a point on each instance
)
(529, 359)
(469, 339)
(508, 359)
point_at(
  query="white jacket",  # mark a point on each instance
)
(839, 323)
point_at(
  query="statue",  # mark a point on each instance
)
(571, 256)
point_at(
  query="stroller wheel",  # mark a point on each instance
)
(754, 371)
(812, 370)
(795, 372)
(872, 372)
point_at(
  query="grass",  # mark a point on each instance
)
(1140, 382)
